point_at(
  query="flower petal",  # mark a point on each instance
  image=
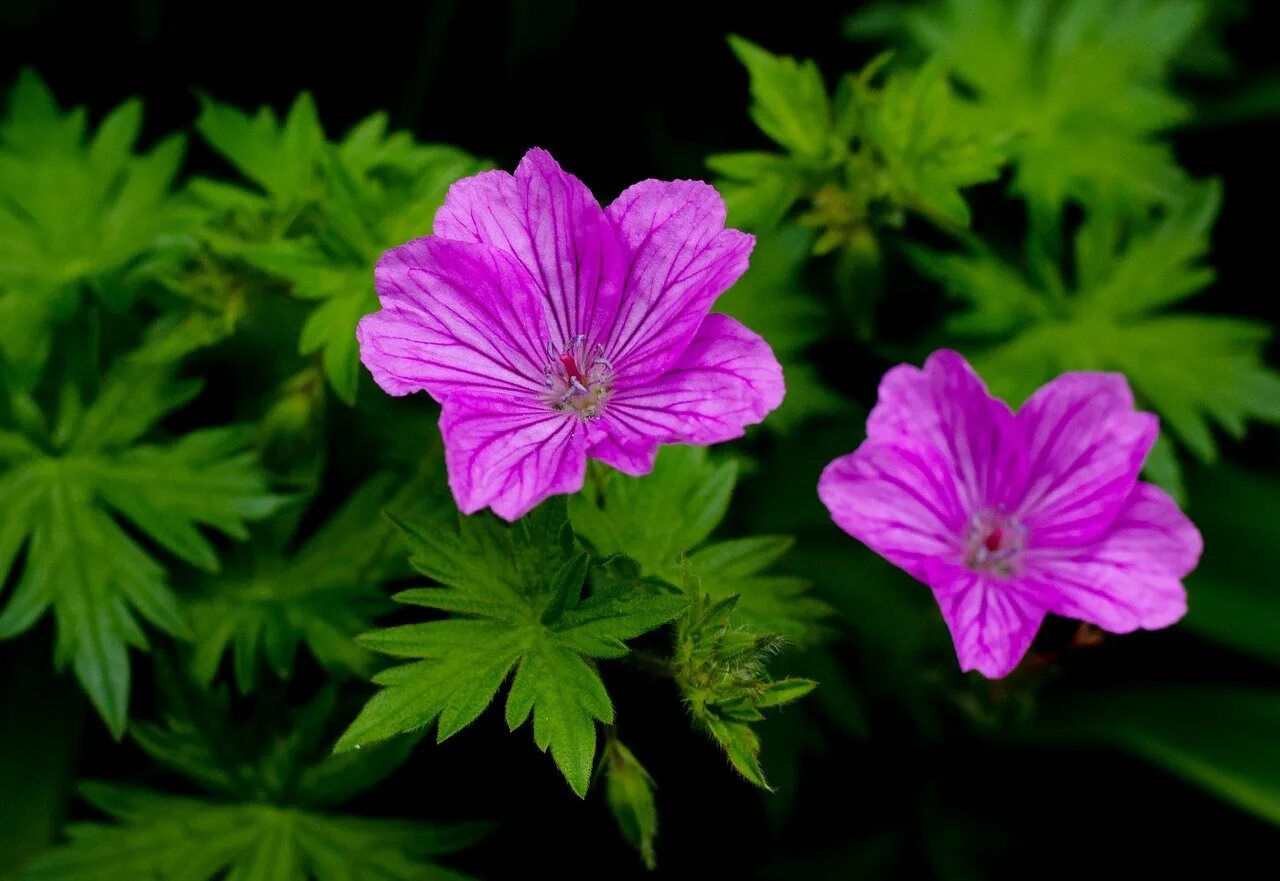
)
(549, 221)
(727, 379)
(1085, 445)
(992, 621)
(898, 499)
(1132, 577)
(455, 317)
(509, 455)
(947, 406)
(681, 259)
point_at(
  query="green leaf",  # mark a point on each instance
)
(329, 213)
(157, 835)
(274, 596)
(633, 516)
(1082, 88)
(930, 144)
(789, 99)
(1198, 372)
(1218, 738)
(65, 501)
(77, 212)
(515, 598)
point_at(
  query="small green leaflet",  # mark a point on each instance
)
(515, 598)
(322, 213)
(268, 600)
(76, 212)
(1195, 371)
(667, 516)
(265, 819)
(65, 489)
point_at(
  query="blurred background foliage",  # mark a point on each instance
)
(193, 466)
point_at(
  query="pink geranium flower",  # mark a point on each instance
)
(550, 330)
(1008, 517)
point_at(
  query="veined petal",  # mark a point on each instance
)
(455, 317)
(1131, 578)
(510, 455)
(1085, 446)
(898, 499)
(681, 259)
(946, 406)
(549, 221)
(992, 621)
(727, 379)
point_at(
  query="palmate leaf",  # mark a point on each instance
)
(272, 598)
(1196, 371)
(77, 211)
(515, 598)
(66, 495)
(1081, 86)
(662, 518)
(322, 213)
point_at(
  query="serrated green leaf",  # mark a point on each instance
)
(1198, 372)
(789, 99)
(633, 516)
(516, 597)
(66, 501)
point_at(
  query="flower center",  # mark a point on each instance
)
(993, 543)
(579, 378)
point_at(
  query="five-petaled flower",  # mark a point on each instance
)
(550, 330)
(1009, 516)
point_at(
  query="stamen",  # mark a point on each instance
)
(993, 543)
(569, 386)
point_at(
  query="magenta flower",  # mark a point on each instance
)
(1010, 516)
(551, 330)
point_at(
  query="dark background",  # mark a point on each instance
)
(620, 92)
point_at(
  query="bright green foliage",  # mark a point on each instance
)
(320, 214)
(66, 487)
(774, 301)
(1196, 371)
(1082, 87)
(271, 598)
(666, 517)
(77, 212)
(628, 788)
(1219, 738)
(722, 674)
(862, 156)
(516, 600)
(265, 820)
